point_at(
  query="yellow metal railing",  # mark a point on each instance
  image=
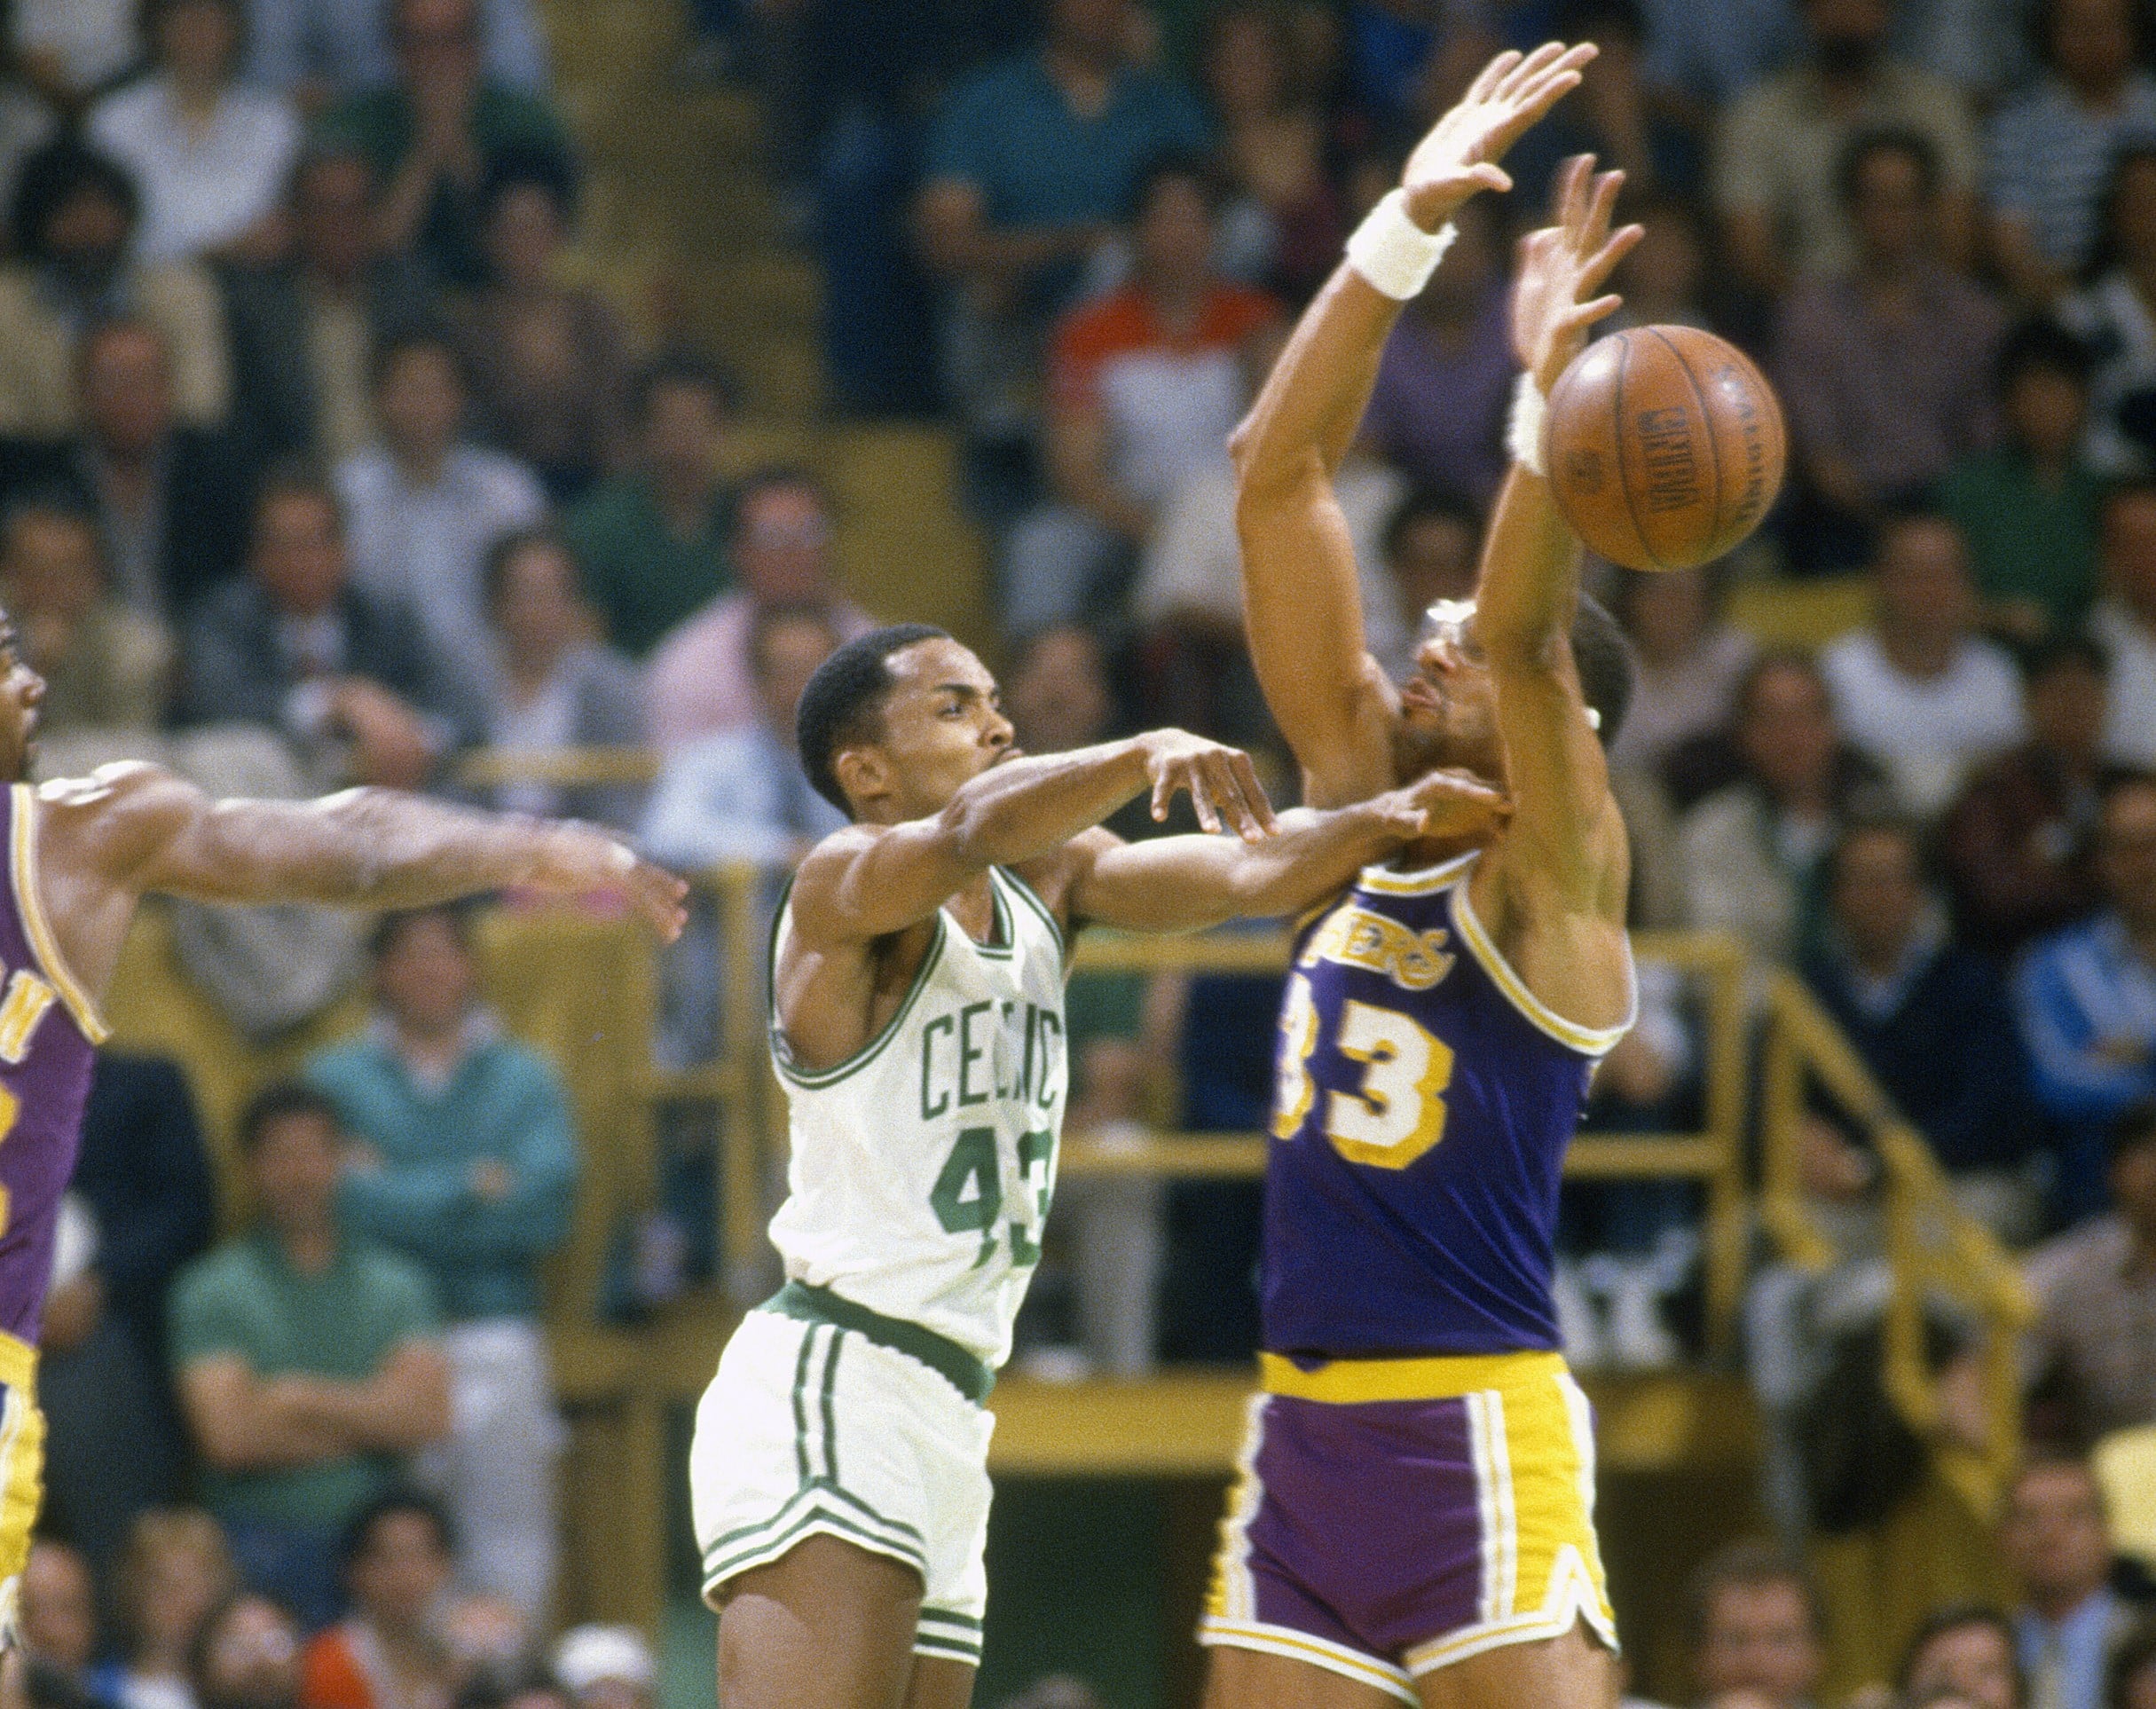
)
(1935, 1251)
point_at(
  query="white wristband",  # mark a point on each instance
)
(1523, 428)
(1397, 256)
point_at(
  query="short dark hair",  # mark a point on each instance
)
(54, 176)
(1857, 154)
(527, 167)
(2104, 251)
(688, 370)
(843, 699)
(2043, 21)
(150, 13)
(2133, 1128)
(2116, 780)
(776, 476)
(2038, 344)
(2131, 1654)
(777, 616)
(1607, 672)
(359, 1535)
(296, 478)
(282, 1100)
(50, 499)
(1193, 169)
(2062, 647)
(409, 340)
(494, 576)
(1874, 824)
(1956, 1617)
(392, 926)
(1747, 1565)
(2126, 492)
(1424, 503)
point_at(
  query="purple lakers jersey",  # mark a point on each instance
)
(49, 1032)
(1424, 1102)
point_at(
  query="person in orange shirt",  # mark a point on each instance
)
(392, 1652)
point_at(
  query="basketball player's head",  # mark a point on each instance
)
(23, 692)
(1448, 706)
(896, 721)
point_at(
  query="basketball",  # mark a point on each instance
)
(1664, 446)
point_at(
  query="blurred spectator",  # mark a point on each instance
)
(105, 667)
(2050, 147)
(2019, 846)
(702, 680)
(176, 1570)
(71, 49)
(2027, 507)
(1780, 145)
(1029, 162)
(390, 1651)
(305, 331)
(316, 49)
(2115, 313)
(74, 221)
(1705, 57)
(1755, 1619)
(606, 1668)
(553, 686)
(423, 505)
(1664, 279)
(653, 540)
(1928, 1018)
(740, 794)
(431, 131)
(1285, 218)
(465, 1161)
(26, 118)
(247, 1657)
(1431, 550)
(1886, 366)
(1967, 1650)
(2090, 1356)
(1689, 662)
(1144, 386)
(2055, 1541)
(1611, 115)
(293, 647)
(1438, 409)
(2087, 995)
(1919, 691)
(307, 1361)
(1749, 854)
(57, 1617)
(208, 154)
(2125, 622)
(548, 365)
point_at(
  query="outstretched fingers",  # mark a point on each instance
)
(1486, 81)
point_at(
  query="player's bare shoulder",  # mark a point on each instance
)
(116, 821)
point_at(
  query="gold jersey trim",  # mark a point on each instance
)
(22, 867)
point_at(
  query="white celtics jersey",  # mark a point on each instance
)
(922, 1167)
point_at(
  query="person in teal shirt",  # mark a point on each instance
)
(465, 1161)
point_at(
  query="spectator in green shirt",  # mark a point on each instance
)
(309, 1364)
(431, 134)
(653, 541)
(2027, 507)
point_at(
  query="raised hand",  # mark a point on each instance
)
(1223, 784)
(1562, 266)
(577, 859)
(1460, 154)
(1451, 804)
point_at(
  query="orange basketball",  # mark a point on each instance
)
(1664, 446)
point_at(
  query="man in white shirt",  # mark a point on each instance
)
(1919, 691)
(2125, 621)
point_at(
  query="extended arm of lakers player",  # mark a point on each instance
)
(1300, 598)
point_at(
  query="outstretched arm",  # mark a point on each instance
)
(1300, 593)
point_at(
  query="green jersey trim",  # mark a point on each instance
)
(782, 1053)
(808, 1303)
(1032, 897)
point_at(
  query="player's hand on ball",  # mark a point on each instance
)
(1448, 803)
(1224, 786)
(576, 860)
(1562, 266)
(1460, 154)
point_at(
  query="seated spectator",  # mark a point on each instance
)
(2055, 1541)
(2051, 146)
(176, 1572)
(28, 118)
(391, 1650)
(1431, 550)
(548, 364)
(2133, 1670)
(606, 1668)
(423, 505)
(292, 646)
(551, 685)
(1437, 411)
(1778, 147)
(209, 154)
(2087, 996)
(2027, 507)
(2092, 1368)
(1612, 116)
(309, 1361)
(247, 1656)
(106, 668)
(1919, 691)
(314, 50)
(2019, 846)
(307, 330)
(1029, 162)
(1144, 386)
(2125, 622)
(1966, 1651)
(57, 1616)
(1697, 58)
(71, 49)
(653, 540)
(1665, 281)
(465, 1161)
(1749, 854)
(1755, 1621)
(430, 132)
(74, 222)
(1928, 1018)
(2112, 313)
(1886, 366)
(1689, 661)
(702, 681)
(741, 794)
(170, 500)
